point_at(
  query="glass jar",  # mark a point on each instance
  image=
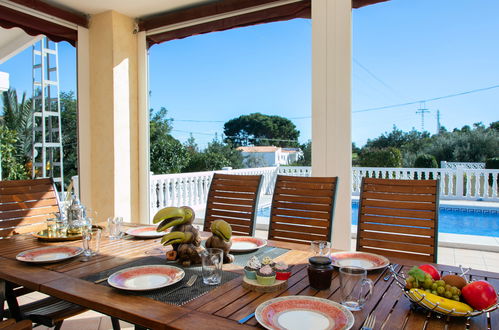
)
(320, 272)
(75, 217)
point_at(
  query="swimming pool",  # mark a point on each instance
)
(453, 220)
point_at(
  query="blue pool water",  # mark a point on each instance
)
(466, 221)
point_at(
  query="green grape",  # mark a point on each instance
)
(448, 294)
(440, 290)
(440, 283)
(428, 276)
(427, 283)
(428, 290)
(409, 279)
(434, 286)
(448, 287)
(434, 292)
(456, 298)
(458, 292)
(454, 291)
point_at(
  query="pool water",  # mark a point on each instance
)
(466, 221)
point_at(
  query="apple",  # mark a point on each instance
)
(479, 295)
(435, 274)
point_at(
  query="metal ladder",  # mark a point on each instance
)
(47, 153)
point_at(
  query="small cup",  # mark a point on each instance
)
(61, 227)
(91, 241)
(354, 285)
(51, 227)
(320, 248)
(212, 261)
(114, 227)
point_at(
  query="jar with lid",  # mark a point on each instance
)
(75, 217)
(320, 272)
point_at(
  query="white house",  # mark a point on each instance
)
(263, 156)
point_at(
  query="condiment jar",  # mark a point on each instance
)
(320, 272)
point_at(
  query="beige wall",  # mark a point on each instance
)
(112, 136)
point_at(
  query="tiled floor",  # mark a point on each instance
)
(450, 256)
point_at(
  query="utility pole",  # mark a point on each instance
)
(438, 122)
(422, 110)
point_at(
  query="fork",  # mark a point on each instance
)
(369, 324)
(189, 283)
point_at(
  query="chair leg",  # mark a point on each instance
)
(116, 323)
(14, 310)
(58, 325)
(139, 327)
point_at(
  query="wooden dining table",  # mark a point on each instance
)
(223, 306)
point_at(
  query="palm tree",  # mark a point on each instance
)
(18, 117)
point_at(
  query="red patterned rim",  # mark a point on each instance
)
(148, 277)
(247, 243)
(368, 261)
(147, 231)
(49, 254)
(302, 312)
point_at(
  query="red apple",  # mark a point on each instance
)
(479, 295)
(435, 274)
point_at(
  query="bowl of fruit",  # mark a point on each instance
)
(449, 295)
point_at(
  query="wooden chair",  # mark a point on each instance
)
(399, 218)
(25, 205)
(11, 324)
(302, 209)
(233, 198)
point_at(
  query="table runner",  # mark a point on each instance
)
(184, 295)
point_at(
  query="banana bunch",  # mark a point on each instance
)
(439, 304)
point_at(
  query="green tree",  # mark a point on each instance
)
(216, 156)
(425, 161)
(306, 159)
(261, 130)
(13, 167)
(167, 154)
(387, 157)
(17, 117)
(69, 123)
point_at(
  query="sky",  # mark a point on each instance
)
(404, 51)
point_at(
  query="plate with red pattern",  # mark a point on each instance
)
(49, 254)
(143, 278)
(303, 312)
(145, 232)
(246, 243)
(368, 261)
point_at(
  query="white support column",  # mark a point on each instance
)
(143, 115)
(331, 105)
(84, 131)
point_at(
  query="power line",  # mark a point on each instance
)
(375, 77)
(234, 137)
(427, 100)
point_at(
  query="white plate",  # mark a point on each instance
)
(303, 312)
(145, 232)
(149, 277)
(368, 261)
(49, 254)
(246, 243)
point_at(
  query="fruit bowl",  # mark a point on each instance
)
(420, 298)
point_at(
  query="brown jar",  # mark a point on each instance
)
(320, 272)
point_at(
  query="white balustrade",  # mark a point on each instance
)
(192, 188)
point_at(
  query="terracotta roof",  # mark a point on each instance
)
(258, 149)
(291, 150)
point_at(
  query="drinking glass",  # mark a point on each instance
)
(91, 241)
(320, 248)
(114, 227)
(212, 260)
(355, 287)
(61, 227)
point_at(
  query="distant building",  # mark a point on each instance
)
(269, 156)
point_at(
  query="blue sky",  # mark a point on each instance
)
(412, 50)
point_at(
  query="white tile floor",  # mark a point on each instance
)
(450, 256)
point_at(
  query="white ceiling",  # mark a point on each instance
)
(131, 8)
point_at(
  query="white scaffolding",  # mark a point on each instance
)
(47, 153)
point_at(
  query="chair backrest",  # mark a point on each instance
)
(233, 198)
(26, 204)
(399, 218)
(302, 209)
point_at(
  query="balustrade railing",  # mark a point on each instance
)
(192, 188)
